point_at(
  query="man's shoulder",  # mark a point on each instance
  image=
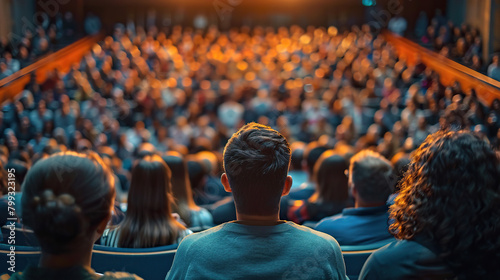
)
(311, 236)
(399, 250)
(201, 236)
(296, 231)
(403, 259)
(331, 222)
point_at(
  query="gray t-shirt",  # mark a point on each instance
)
(236, 251)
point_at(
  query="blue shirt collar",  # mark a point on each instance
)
(365, 211)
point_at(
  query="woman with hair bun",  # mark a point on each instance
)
(67, 202)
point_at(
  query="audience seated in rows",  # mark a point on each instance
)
(123, 102)
(258, 245)
(37, 40)
(296, 165)
(310, 156)
(331, 194)
(371, 182)
(494, 68)
(461, 43)
(446, 215)
(151, 93)
(65, 218)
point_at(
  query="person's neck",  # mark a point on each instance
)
(78, 257)
(257, 219)
(363, 204)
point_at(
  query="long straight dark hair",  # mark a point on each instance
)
(331, 180)
(181, 187)
(149, 222)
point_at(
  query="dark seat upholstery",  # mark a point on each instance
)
(23, 256)
(150, 263)
(22, 237)
(356, 256)
(154, 263)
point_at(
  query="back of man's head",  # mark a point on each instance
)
(372, 176)
(256, 161)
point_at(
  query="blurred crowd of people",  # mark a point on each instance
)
(37, 40)
(186, 91)
(461, 43)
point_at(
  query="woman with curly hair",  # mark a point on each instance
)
(446, 216)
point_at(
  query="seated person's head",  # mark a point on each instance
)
(209, 160)
(400, 162)
(197, 172)
(149, 221)
(297, 155)
(21, 169)
(450, 195)
(256, 161)
(370, 178)
(331, 181)
(181, 187)
(312, 153)
(67, 201)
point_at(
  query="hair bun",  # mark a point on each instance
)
(58, 217)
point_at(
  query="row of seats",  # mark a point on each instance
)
(150, 263)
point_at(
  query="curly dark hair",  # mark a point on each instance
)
(451, 195)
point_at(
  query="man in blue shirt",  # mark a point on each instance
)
(371, 182)
(258, 245)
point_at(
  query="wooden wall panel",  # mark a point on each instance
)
(61, 60)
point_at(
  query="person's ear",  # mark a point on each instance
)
(288, 185)
(225, 183)
(354, 191)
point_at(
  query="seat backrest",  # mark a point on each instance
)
(21, 257)
(22, 237)
(356, 256)
(150, 263)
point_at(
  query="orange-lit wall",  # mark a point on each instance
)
(5, 18)
(264, 12)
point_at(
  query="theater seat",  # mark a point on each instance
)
(150, 263)
(154, 263)
(22, 237)
(24, 256)
(356, 256)
(303, 192)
